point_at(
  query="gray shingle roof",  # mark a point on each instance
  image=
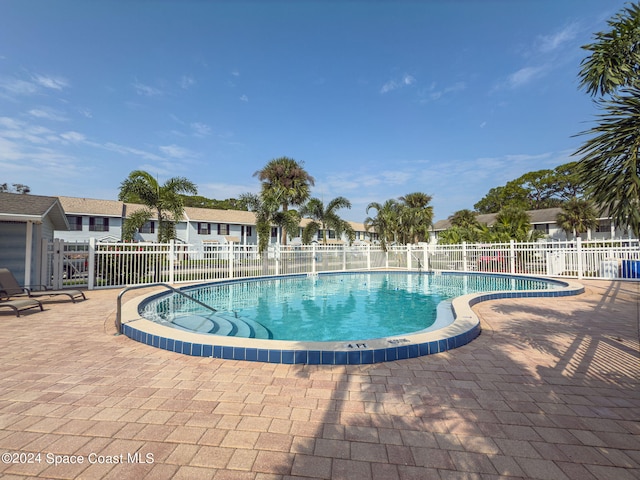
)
(24, 207)
(91, 206)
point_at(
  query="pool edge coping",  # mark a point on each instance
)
(465, 327)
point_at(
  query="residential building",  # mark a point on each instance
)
(544, 220)
(104, 219)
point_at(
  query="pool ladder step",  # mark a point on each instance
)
(222, 323)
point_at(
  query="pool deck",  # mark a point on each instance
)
(550, 390)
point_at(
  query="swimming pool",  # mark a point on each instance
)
(325, 308)
(301, 319)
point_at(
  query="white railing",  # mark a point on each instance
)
(105, 265)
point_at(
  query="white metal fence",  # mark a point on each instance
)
(104, 265)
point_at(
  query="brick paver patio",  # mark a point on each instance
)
(550, 390)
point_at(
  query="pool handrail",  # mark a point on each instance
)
(150, 285)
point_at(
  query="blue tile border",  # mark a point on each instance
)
(340, 357)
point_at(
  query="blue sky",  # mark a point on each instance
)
(378, 99)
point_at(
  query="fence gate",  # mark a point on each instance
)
(65, 264)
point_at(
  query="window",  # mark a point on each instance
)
(204, 228)
(544, 227)
(98, 224)
(223, 229)
(245, 230)
(148, 227)
(274, 232)
(331, 234)
(604, 226)
(75, 224)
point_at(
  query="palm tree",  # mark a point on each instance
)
(386, 223)
(464, 218)
(578, 215)
(165, 200)
(416, 217)
(264, 212)
(324, 217)
(512, 223)
(610, 167)
(285, 182)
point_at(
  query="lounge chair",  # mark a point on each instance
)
(21, 304)
(9, 287)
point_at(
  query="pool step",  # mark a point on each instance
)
(221, 323)
(245, 327)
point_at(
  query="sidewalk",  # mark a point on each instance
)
(550, 390)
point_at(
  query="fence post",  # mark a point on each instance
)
(276, 254)
(464, 256)
(368, 256)
(386, 259)
(313, 258)
(231, 257)
(408, 257)
(344, 257)
(172, 247)
(91, 264)
(579, 254)
(512, 256)
(425, 256)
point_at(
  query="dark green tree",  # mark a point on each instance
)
(416, 217)
(512, 194)
(609, 164)
(386, 223)
(578, 215)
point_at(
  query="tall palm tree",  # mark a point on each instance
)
(386, 223)
(165, 200)
(610, 164)
(416, 217)
(324, 217)
(287, 183)
(578, 215)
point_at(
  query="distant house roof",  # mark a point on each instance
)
(238, 217)
(15, 207)
(545, 215)
(92, 206)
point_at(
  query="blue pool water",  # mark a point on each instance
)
(335, 307)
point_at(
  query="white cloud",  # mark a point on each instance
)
(433, 93)
(200, 129)
(391, 85)
(146, 90)
(548, 43)
(74, 137)
(124, 150)
(174, 151)
(55, 83)
(524, 76)
(47, 114)
(16, 86)
(244, 98)
(85, 112)
(187, 82)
